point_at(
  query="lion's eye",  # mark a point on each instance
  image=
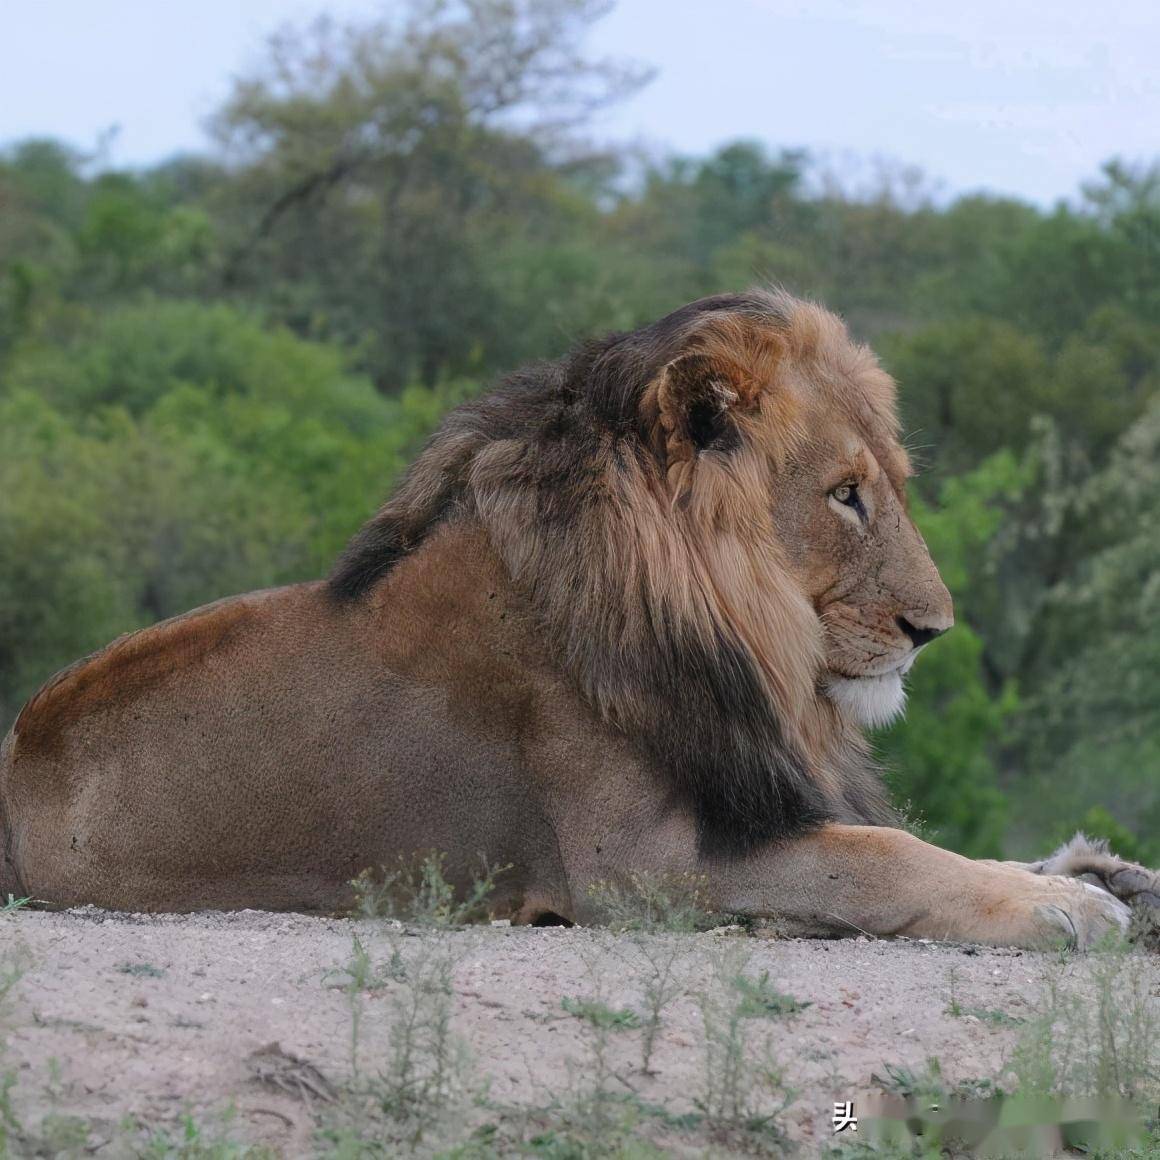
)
(847, 495)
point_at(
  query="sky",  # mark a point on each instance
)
(1018, 98)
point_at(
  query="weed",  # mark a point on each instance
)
(650, 905)
(600, 1015)
(599, 1104)
(190, 1140)
(653, 902)
(11, 1129)
(996, 1017)
(1094, 1031)
(418, 892)
(359, 976)
(990, 1015)
(11, 972)
(141, 970)
(925, 1116)
(744, 1091)
(426, 1061)
(914, 821)
(759, 997)
(929, 1086)
(1085, 1060)
(909, 1084)
(568, 1131)
(663, 983)
(12, 904)
(427, 1079)
(954, 1008)
(864, 1150)
(602, 1116)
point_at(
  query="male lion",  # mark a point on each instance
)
(628, 611)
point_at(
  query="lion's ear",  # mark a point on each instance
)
(694, 407)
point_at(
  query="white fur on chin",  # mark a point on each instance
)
(871, 701)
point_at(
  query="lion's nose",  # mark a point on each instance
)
(921, 634)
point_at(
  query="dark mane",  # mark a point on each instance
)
(431, 490)
(597, 388)
(560, 466)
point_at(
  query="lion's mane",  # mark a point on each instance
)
(634, 516)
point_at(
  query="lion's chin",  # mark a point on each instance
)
(871, 701)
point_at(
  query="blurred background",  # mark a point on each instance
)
(248, 257)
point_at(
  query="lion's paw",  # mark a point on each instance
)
(1080, 913)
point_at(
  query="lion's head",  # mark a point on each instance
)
(795, 428)
(841, 515)
(709, 515)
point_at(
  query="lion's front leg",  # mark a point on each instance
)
(845, 879)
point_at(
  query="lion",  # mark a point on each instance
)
(628, 611)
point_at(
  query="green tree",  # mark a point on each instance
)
(969, 387)
(377, 156)
(942, 757)
(1089, 731)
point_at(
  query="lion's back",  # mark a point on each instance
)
(264, 750)
(168, 747)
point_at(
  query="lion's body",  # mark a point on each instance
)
(626, 612)
(266, 749)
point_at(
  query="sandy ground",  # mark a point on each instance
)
(156, 1015)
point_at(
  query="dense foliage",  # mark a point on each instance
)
(211, 370)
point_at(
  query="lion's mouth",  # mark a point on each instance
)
(898, 665)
